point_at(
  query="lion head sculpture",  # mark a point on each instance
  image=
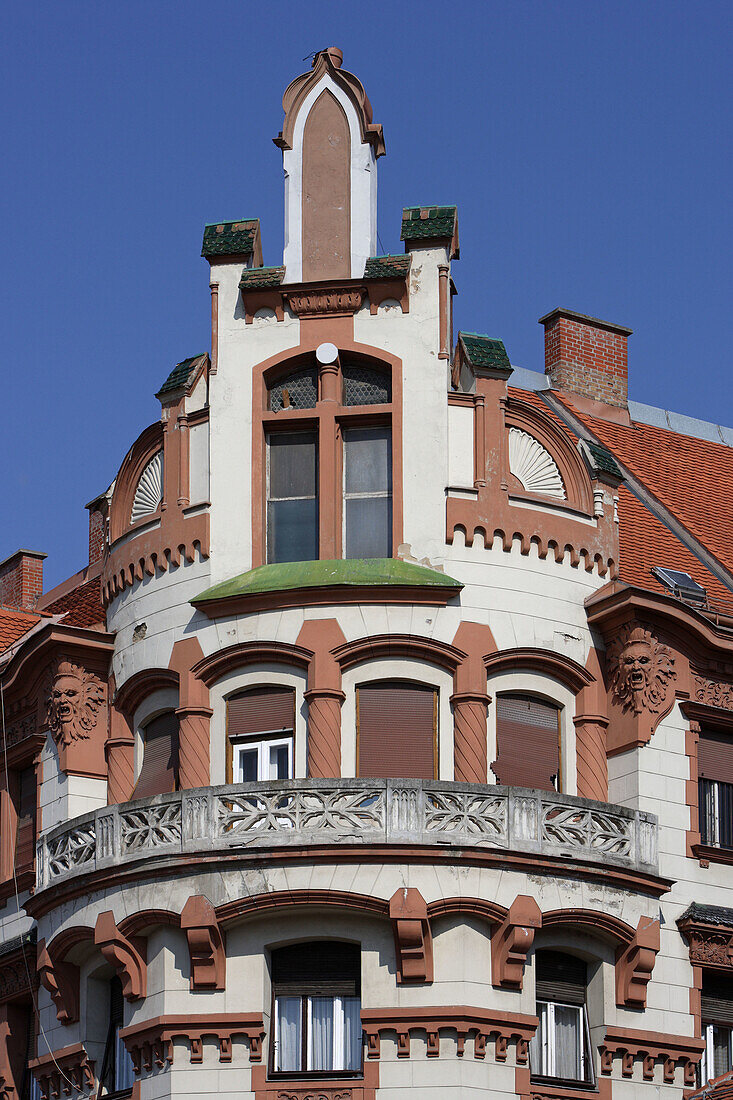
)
(641, 669)
(74, 698)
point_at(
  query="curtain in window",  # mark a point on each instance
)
(352, 1032)
(568, 1043)
(288, 1038)
(321, 1034)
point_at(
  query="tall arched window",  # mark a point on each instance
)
(560, 1050)
(260, 731)
(328, 482)
(159, 770)
(527, 743)
(317, 1008)
(397, 730)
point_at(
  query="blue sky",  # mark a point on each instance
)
(587, 145)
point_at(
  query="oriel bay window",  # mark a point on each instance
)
(560, 1050)
(715, 777)
(328, 453)
(260, 730)
(717, 1025)
(317, 1009)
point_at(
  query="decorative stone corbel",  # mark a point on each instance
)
(61, 979)
(512, 941)
(412, 937)
(127, 956)
(635, 963)
(205, 943)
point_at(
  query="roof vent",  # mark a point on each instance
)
(681, 585)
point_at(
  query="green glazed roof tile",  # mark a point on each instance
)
(181, 374)
(286, 576)
(255, 278)
(428, 222)
(230, 238)
(484, 351)
(387, 267)
(602, 460)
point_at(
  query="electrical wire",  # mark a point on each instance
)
(31, 987)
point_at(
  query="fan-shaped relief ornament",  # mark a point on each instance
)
(149, 491)
(74, 698)
(533, 465)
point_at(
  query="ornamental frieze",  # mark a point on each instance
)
(20, 730)
(713, 693)
(711, 948)
(641, 670)
(74, 699)
(326, 301)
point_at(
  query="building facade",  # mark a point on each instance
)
(385, 744)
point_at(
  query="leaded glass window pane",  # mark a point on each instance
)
(297, 391)
(364, 386)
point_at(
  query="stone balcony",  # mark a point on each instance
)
(359, 812)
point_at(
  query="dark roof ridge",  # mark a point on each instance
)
(642, 493)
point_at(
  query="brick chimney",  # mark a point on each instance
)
(587, 356)
(97, 509)
(21, 579)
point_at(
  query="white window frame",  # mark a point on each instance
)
(263, 744)
(548, 1049)
(712, 814)
(338, 1050)
(707, 1064)
(385, 494)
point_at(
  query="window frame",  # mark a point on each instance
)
(112, 1046)
(559, 775)
(231, 740)
(586, 1058)
(260, 742)
(707, 1061)
(329, 418)
(385, 494)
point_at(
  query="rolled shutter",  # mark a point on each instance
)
(715, 756)
(560, 978)
(527, 742)
(25, 836)
(318, 967)
(396, 731)
(717, 999)
(261, 710)
(159, 772)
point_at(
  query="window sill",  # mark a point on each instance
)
(712, 853)
(563, 1090)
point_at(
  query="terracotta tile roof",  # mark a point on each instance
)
(691, 477)
(721, 1088)
(230, 238)
(14, 624)
(645, 542)
(80, 607)
(388, 267)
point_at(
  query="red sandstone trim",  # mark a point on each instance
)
(150, 1042)
(363, 1087)
(527, 1090)
(649, 1046)
(481, 1023)
(402, 646)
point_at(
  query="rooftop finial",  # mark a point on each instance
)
(334, 53)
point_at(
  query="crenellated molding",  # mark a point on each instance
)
(412, 936)
(480, 1024)
(127, 957)
(206, 945)
(64, 1070)
(649, 1048)
(150, 1042)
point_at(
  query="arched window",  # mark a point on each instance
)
(397, 730)
(117, 1074)
(329, 463)
(317, 1008)
(260, 731)
(159, 771)
(527, 743)
(560, 1050)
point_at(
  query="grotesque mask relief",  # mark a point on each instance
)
(641, 670)
(75, 697)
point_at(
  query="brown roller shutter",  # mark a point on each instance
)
(318, 967)
(715, 756)
(262, 710)
(397, 726)
(717, 999)
(25, 836)
(527, 742)
(560, 978)
(159, 773)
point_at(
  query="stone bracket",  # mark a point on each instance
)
(206, 946)
(635, 963)
(412, 936)
(61, 979)
(127, 956)
(512, 941)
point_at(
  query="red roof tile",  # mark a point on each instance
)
(14, 624)
(80, 607)
(691, 477)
